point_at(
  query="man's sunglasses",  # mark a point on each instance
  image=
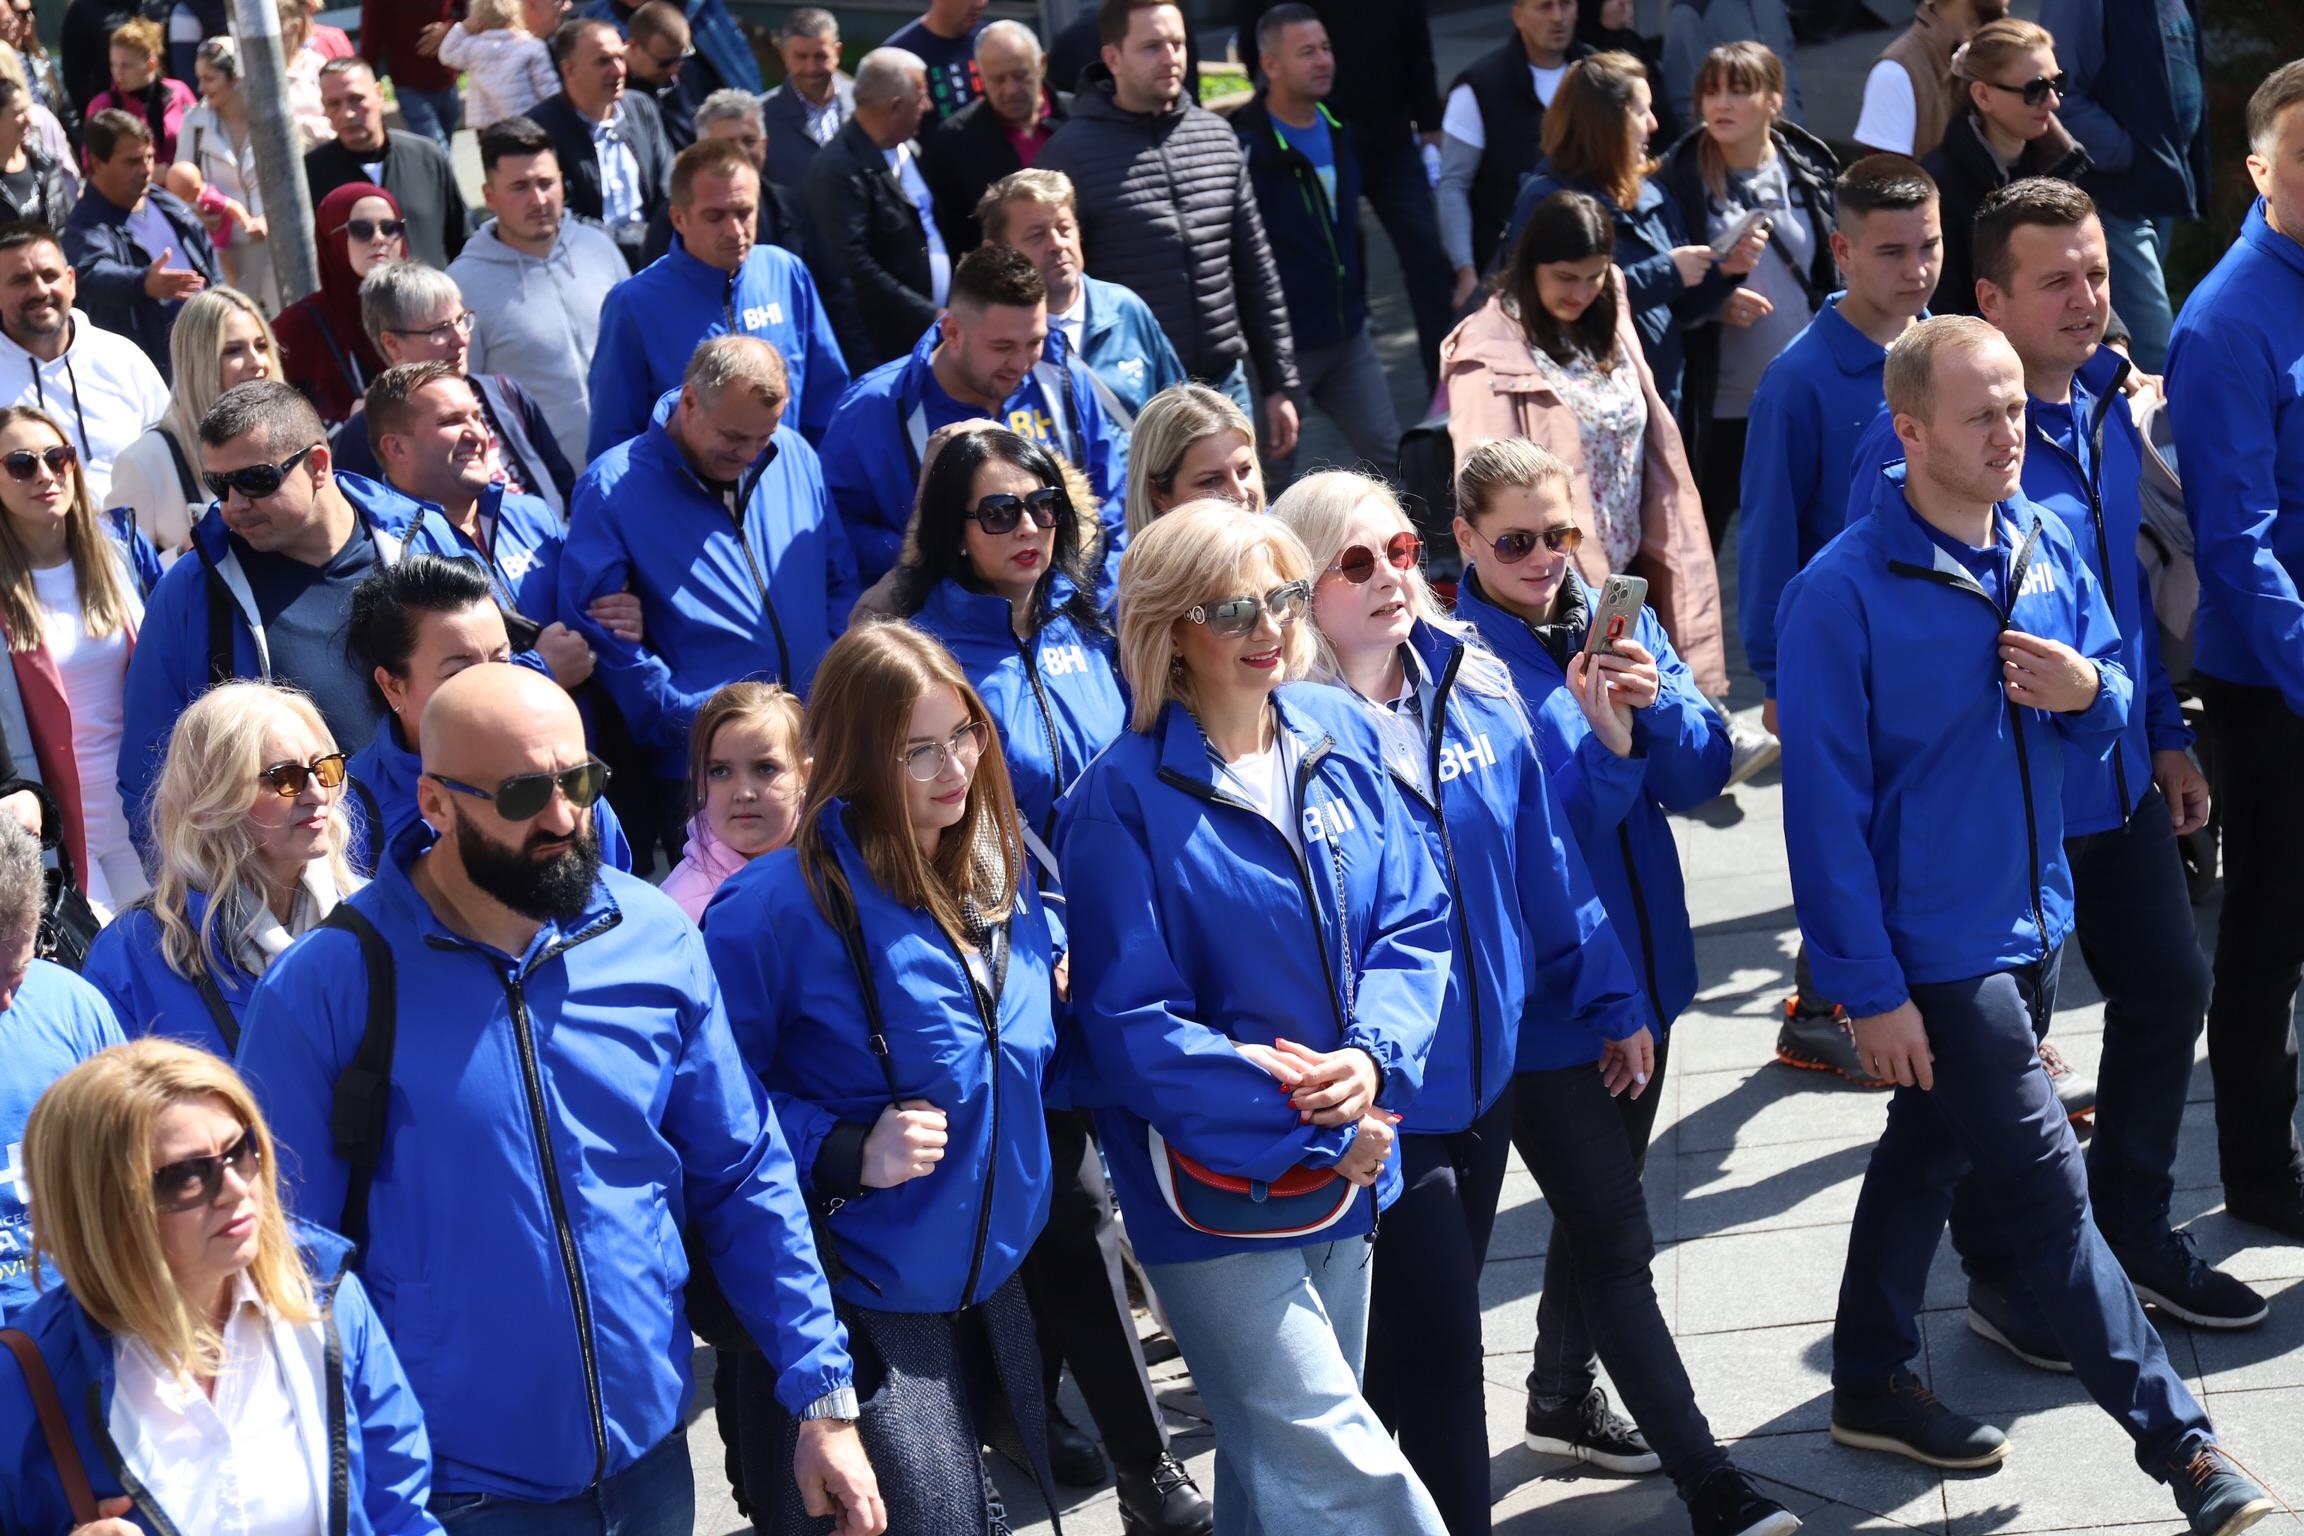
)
(1000, 512)
(192, 1182)
(1358, 564)
(2037, 89)
(1237, 615)
(287, 780)
(1519, 544)
(23, 464)
(257, 481)
(524, 796)
(364, 230)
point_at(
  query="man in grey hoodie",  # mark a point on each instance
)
(536, 279)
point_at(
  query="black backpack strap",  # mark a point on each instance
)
(219, 1011)
(363, 1089)
(844, 918)
(220, 607)
(185, 478)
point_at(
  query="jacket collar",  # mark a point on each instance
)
(656, 446)
(2258, 232)
(1509, 635)
(1184, 754)
(1853, 352)
(1096, 97)
(954, 610)
(1903, 534)
(398, 897)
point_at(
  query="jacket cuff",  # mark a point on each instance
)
(1392, 1089)
(2167, 738)
(1329, 1144)
(839, 1170)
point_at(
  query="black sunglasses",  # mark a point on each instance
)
(1000, 512)
(23, 464)
(192, 1182)
(2036, 90)
(368, 229)
(1238, 615)
(524, 796)
(287, 780)
(1357, 565)
(1519, 544)
(257, 481)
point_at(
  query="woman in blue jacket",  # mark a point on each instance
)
(249, 837)
(887, 976)
(205, 1278)
(1259, 949)
(1625, 739)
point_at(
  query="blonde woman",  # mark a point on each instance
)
(1191, 443)
(217, 1357)
(2003, 95)
(249, 834)
(220, 339)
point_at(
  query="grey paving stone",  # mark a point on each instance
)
(1763, 1381)
(1886, 1488)
(2069, 1468)
(1756, 1189)
(1760, 1279)
(1978, 1377)
(1772, 1104)
(2268, 1355)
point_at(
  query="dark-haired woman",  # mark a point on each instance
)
(415, 625)
(1552, 357)
(887, 976)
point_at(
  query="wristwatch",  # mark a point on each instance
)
(839, 1403)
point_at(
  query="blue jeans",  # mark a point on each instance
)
(655, 1496)
(1994, 1111)
(2139, 251)
(1274, 1338)
(434, 114)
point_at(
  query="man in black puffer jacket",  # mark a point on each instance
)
(1166, 208)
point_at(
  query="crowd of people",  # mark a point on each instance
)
(797, 659)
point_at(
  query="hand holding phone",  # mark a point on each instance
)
(1754, 219)
(1617, 614)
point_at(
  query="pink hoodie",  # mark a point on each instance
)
(704, 864)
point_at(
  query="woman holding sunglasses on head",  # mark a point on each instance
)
(249, 838)
(1259, 949)
(325, 351)
(887, 976)
(222, 1368)
(2003, 94)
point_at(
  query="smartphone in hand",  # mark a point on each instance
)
(1616, 614)
(1735, 234)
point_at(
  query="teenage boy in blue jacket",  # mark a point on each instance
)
(2236, 392)
(715, 280)
(1944, 659)
(991, 354)
(1811, 405)
(564, 1100)
(2044, 282)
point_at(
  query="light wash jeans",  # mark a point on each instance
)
(2139, 252)
(1274, 1338)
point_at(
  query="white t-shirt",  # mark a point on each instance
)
(1890, 116)
(1266, 781)
(1074, 321)
(1460, 119)
(95, 676)
(103, 388)
(906, 164)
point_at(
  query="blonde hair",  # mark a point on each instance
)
(201, 835)
(1320, 509)
(195, 352)
(139, 36)
(744, 701)
(1204, 552)
(99, 576)
(1045, 189)
(1908, 379)
(88, 1153)
(1995, 46)
(492, 15)
(1506, 463)
(1170, 423)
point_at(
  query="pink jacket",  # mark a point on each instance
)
(1494, 390)
(704, 864)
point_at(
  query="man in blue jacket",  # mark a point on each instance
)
(714, 281)
(139, 251)
(1811, 405)
(991, 354)
(2236, 392)
(563, 1101)
(1943, 659)
(264, 591)
(717, 517)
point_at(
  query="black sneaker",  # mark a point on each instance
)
(1822, 1042)
(2216, 1496)
(1073, 1459)
(2281, 1209)
(1591, 1431)
(1726, 1504)
(2171, 1275)
(1159, 1498)
(1905, 1419)
(2010, 1318)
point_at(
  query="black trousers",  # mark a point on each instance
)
(1080, 1299)
(1423, 1374)
(2259, 757)
(1392, 180)
(1721, 475)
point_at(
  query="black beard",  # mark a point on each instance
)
(545, 888)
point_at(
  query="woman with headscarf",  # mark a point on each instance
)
(325, 351)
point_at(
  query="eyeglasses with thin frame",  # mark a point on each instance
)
(442, 334)
(256, 481)
(192, 1182)
(1000, 512)
(924, 764)
(1235, 616)
(287, 780)
(23, 464)
(524, 796)
(364, 230)
(2037, 89)
(1357, 563)
(1519, 544)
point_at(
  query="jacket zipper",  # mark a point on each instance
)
(100, 1431)
(1047, 722)
(990, 1018)
(767, 603)
(1438, 730)
(728, 303)
(2091, 474)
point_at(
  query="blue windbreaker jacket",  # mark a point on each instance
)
(1929, 840)
(2236, 398)
(761, 595)
(933, 1244)
(1617, 805)
(520, 553)
(558, 1118)
(2097, 497)
(1196, 923)
(126, 965)
(363, 1436)
(655, 320)
(56, 1022)
(1125, 349)
(1536, 971)
(872, 452)
(170, 667)
(383, 788)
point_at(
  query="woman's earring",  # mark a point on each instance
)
(1176, 662)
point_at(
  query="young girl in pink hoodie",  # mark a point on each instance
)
(746, 778)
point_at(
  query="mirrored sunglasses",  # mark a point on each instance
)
(1237, 615)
